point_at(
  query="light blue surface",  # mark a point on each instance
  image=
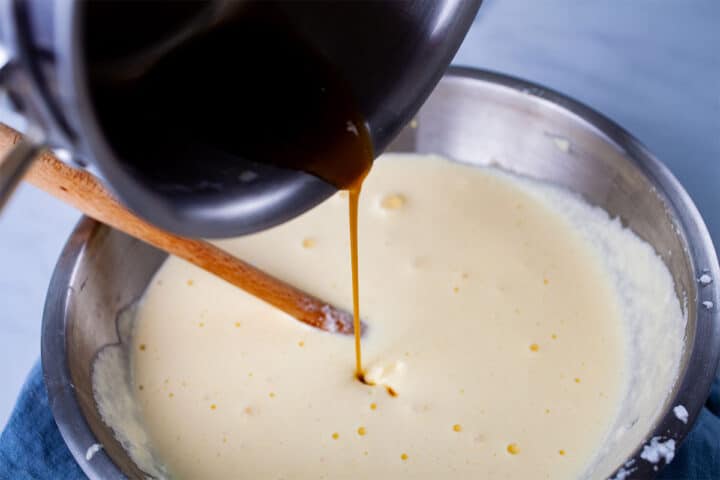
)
(651, 65)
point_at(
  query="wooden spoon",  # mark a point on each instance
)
(86, 193)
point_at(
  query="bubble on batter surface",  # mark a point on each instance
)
(393, 201)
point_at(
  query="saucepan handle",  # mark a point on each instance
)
(24, 150)
(16, 162)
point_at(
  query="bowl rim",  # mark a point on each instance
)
(696, 376)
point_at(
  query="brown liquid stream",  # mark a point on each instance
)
(353, 200)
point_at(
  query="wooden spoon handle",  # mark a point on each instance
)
(85, 192)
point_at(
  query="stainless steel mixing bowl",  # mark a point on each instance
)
(472, 116)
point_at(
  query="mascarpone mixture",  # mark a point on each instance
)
(499, 337)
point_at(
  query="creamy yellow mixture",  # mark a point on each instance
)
(495, 338)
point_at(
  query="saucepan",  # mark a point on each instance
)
(475, 117)
(49, 50)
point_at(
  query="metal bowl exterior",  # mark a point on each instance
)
(472, 116)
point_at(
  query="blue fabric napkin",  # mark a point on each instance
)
(31, 446)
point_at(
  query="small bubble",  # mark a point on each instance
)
(404, 456)
(705, 279)
(708, 305)
(393, 201)
(457, 428)
(413, 123)
(361, 431)
(513, 449)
